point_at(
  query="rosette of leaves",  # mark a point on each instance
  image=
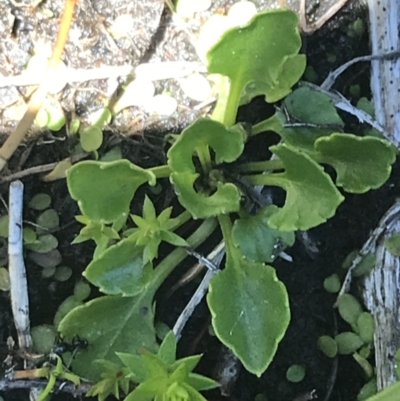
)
(249, 305)
(158, 376)
(152, 229)
(161, 377)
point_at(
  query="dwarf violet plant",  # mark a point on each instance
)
(249, 305)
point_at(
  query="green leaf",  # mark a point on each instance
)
(368, 390)
(200, 382)
(328, 346)
(262, 52)
(91, 138)
(364, 364)
(110, 324)
(172, 238)
(310, 106)
(104, 190)
(227, 144)
(256, 239)
(119, 270)
(167, 350)
(193, 393)
(292, 71)
(366, 327)
(361, 163)
(155, 367)
(295, 373)
(190, 362)
(332, 283)
(4, 222)
(348, 342)
(149, 212)
(48, 219)
(250, 312)
(44, 244)
(392, 244)
(349, 308)
(311, 196)
(56, 117)
(147, 390)
(365, 266)
(226, 198)
(135, 365)
(40, 201)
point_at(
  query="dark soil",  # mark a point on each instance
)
(311, 306)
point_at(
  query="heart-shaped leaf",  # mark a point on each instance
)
(228, 144)
(104, 190)
(262, 52)
(361, 163)
(311, 196)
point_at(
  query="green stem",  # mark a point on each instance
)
(226, 228)
(273, 123)
(181, 219)
(220, 107)
(264, 165)
(203, 152)
(161, 171)
(264, 179)
(228, 102)
(232, 104)
(168, 264)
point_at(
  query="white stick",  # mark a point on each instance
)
(16, 267)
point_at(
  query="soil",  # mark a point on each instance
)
(312, 314)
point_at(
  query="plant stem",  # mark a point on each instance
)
(228, 102)
(161, 171)
(220, 107)
(181, 219)
(264, 165)
(203, 153)
(232, 103)
(265, 179)
(168, 264)
(226, 228)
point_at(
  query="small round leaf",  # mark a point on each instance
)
(332, 283)
(40, 201)
(348, 342)
(328, 346)
(392, 244)
(295, 373)
(366, 327)
(349, 308)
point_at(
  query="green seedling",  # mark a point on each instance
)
(249, 305)
(295, 373)
(53, 373)
(328, 346)
(332, 283)
(157, 376)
